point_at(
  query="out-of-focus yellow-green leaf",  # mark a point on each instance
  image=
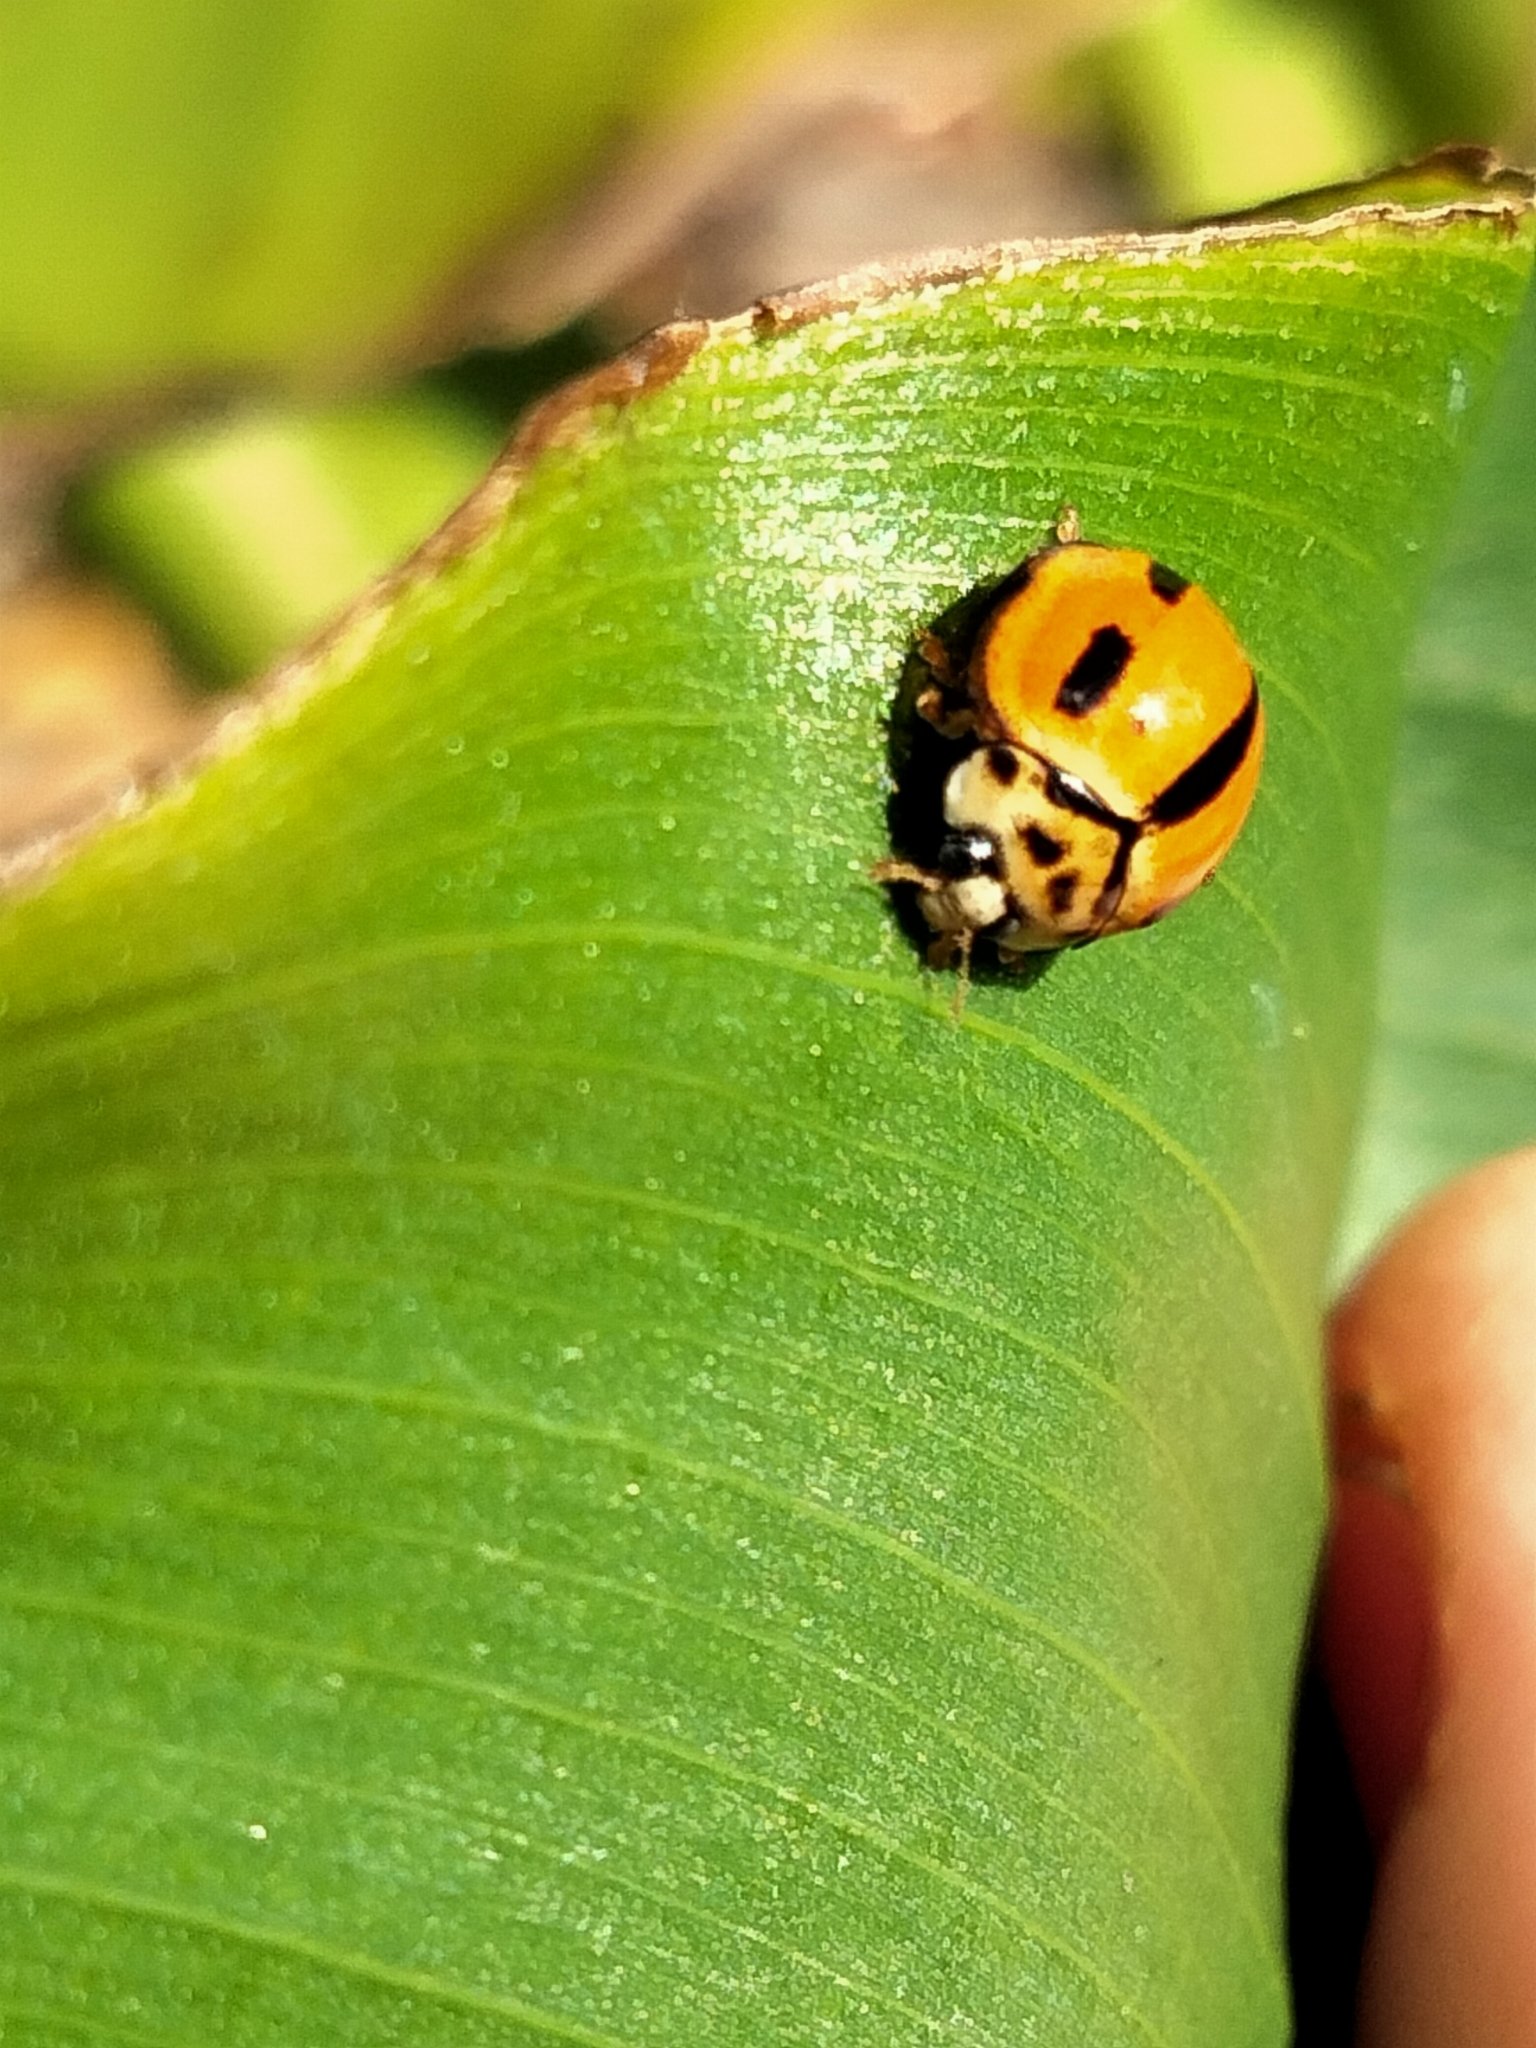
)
(1226, 102)
(1462, 68)
(194, 186)
(247, 533)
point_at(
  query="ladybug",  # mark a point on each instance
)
(1112, 733)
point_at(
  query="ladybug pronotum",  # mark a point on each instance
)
(1113, 733)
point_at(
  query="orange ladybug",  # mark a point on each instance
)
(1113, 734)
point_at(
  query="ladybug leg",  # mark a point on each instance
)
(960, 958)
(954, 721)
(1069, 527)
(950, 947)
(936, 657)
(907, 871)
(941, 703)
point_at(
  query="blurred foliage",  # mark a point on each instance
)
(1463, 70)
(1455, 1076)
(244, 533)
(193, 186)
(248, 532)
(1227, 102)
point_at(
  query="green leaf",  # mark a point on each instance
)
(588, 1464)
(1455, 1073)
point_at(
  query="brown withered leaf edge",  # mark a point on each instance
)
(1491, 191)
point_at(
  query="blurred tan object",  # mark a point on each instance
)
(36, 455)
(852, 193)
(887, 134)
(90, 706)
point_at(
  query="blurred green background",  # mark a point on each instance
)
(275, 282)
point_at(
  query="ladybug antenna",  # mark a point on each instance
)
(1069, 528)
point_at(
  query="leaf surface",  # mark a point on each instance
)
(1454, 1076)
(587, 1464)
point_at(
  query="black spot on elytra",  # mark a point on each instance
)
(1095, 672)
(1062, 892)
(1208, 775)
(1003, 763)
(1169, 585)
(1044, 851)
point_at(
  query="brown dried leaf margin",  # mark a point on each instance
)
(1495, 193)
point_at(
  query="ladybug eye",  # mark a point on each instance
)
(969, 853)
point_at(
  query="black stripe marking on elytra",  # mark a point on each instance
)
(1069, 793)
(1207, 776)
(1169, 585)
(1095, 672)
(1003, 765)
(1073, 795)
(1044, 851)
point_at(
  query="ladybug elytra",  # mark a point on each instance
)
(1113, 733)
